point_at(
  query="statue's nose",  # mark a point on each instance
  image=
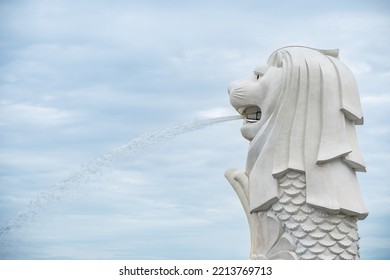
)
(231, 87)
(238, 86)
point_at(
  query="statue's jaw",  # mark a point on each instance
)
(252, 116)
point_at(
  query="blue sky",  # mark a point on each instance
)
(80, 78)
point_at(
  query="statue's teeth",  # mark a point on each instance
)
(255, 116)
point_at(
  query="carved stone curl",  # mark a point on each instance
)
(299, 190)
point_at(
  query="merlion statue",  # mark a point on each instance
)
(299, 190)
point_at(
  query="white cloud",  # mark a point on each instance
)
(360, 67)
(382, 100)
(386, 74)
(27, 114)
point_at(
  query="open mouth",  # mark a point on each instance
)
(252, 114)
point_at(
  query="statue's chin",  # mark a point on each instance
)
(249, 130)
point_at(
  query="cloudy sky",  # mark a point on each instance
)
(80, 78)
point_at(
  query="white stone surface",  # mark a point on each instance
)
(300, 112)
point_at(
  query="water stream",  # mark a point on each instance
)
(97, 167)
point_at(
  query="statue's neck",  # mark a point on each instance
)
(257, 144)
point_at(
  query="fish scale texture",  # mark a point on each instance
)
(318, 235)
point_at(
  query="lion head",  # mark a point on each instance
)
(300, 112)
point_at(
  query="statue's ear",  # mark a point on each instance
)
(334, 52)
(276, 60)
(279, 59)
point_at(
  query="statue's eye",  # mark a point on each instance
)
(260, 71)
(258, 75)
